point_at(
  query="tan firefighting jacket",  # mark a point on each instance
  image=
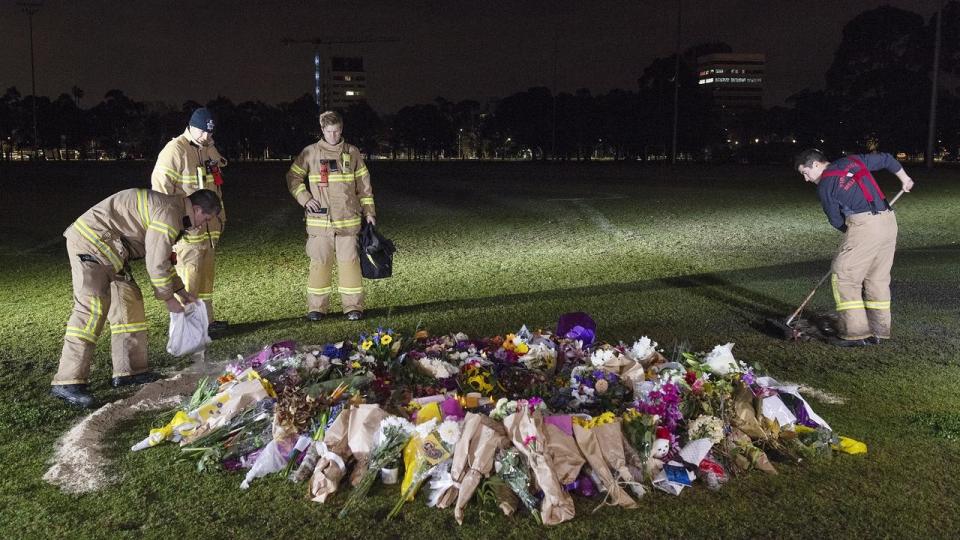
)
(135, 224)
(181, 170)
(337, 177)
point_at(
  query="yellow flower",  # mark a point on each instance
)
(366, 345)
(522, 348)
(355, 365)
(386, 339)
(508, 342)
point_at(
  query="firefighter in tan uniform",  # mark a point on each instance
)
(331, 182)
(856, 206)
(188, 163)
(129, 225)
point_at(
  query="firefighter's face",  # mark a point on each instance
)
(199, 135)
(813, 172)
(199, 218)
(331, 134)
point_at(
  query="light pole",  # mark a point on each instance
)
(932, 125)
(676, 85)
(30, 8)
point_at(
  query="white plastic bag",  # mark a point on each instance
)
(188, 330)
(270, 460)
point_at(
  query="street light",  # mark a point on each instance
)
(30, 8)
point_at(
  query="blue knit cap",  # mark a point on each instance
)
(201, 119)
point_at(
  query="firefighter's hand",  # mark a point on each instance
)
(313, 205)
(907, 184)
(186, 297)
(173, 305)
(372, 220)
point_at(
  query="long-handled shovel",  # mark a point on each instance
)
(787, 326)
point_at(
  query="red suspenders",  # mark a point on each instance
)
(858, 177)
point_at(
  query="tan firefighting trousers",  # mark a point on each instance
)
(195, 266)
(320, 249)
(861, 275)
(98, 289)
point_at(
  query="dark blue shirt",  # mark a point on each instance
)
(840, 195)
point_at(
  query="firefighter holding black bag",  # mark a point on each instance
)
(332, 184)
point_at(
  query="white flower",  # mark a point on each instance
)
(706, 427)
(449, 432)
(503, 409)
(460, 336)
(540, 355)
(424, 429)
(721, 360)
(643, 348)
(437, 368)
(402, 424)
(598, 358)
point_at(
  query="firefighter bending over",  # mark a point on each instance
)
(129, 225)
(856, 206)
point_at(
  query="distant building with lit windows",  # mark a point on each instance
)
(734, 80)
(345, 82)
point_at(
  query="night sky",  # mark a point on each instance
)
(177, 50)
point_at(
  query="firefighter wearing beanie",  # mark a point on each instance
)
(332, 184)
(186, 164)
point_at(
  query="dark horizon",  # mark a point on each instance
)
(174, 52)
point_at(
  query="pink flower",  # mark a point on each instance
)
(529, 439)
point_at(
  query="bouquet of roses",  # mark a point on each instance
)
(391, 438)
(434, 446)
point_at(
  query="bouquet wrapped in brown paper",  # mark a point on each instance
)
(473, 459)
(745, 417)
(562, 448)
(331, 465)
(591, 446)
(526, 432)
(361, 436)
(745, 455)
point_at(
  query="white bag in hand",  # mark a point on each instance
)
(188, 330)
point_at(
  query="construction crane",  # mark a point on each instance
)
(319, 43)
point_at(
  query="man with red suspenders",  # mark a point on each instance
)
(857, 207)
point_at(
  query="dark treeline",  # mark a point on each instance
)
(877, 88)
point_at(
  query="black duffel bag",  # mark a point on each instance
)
(375, 252)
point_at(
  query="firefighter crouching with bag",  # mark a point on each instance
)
(129, 225)
(331, 182)
(188, 163)
(856, 206)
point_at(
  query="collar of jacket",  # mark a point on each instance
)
(186, 133)
(338, 148)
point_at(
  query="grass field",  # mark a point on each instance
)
(695, 254)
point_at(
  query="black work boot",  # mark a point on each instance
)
(139, 378)
(74, 394)
(314, 316)
(838, 342)
(217, 326)
(354, 315)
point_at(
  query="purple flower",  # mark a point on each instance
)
(748, 377)
(585, 335)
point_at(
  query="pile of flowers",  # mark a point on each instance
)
(528, 419)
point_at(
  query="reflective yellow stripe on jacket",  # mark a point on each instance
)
(323, 223)
(92, 237)
(332, 177)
